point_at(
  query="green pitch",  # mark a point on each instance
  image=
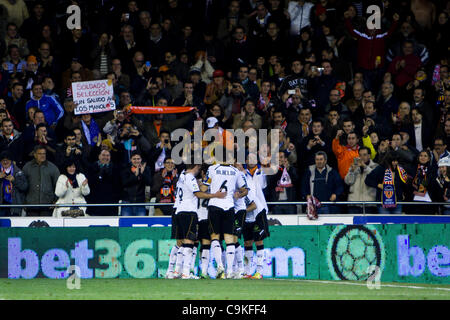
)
(124, 289)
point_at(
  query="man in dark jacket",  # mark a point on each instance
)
(375, 179)
(11, 140)
(13, 185)
(135, 178)
(297, 79)
(314, 142)
(104, 183)
(322, 83)
(70, 150)
(322, 182)
(41, 176)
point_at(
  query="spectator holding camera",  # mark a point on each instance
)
(130, 140)
(322, 82)
(314, 142)
(357, 173)
(113, 126)
(297, 79)
(161, 151)
(71, 151)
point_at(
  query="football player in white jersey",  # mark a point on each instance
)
(223, 177)
(186, 215)
(256, 228)
(174, 258)
(242, 205)
(203, 231)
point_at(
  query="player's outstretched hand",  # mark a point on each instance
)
(220, 194)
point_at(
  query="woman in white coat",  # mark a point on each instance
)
(71, 187)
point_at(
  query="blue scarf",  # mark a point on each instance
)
(7, 186)
(91, 133)
(389, 199)
(389, 196)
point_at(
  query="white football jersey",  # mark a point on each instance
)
(244, 202)
(224, 178)
(186, 193)
(179, 183)
(202, 211)
(256, 183)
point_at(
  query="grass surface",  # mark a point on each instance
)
(160, 289)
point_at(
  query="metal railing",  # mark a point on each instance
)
(362, 204)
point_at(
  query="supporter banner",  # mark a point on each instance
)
(93, 96)
(158, 110)
(397, 253)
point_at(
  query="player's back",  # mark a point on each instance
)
(178, 185)
(224, 178)
(257, 182)
(186, 193)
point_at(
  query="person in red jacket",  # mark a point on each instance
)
(371, 50)
(404, 67)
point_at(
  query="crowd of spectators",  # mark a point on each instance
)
(350, 101)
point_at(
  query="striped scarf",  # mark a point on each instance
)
(7, 185)
(389, 196)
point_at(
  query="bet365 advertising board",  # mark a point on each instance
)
(391, 252)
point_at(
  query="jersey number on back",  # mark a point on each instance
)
(180, 193)
(223, 187)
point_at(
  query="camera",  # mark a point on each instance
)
(166, 141)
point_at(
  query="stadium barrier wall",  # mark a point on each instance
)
(413, 253)
(165, 221)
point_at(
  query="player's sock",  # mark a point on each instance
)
(230, 257)
(239, 256)
(172, 258)
(194, 256)
(179, 261)
(187, 257)
(259, 258)
(248, 254)
(217, 252)
(235, 266)
(224, 256)
(205, 258)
